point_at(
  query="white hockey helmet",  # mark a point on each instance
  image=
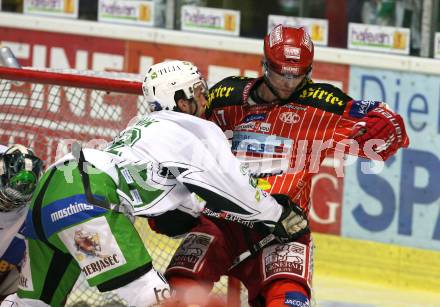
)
(164, 79)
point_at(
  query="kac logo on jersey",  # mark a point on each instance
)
(290, 117)
(253, 117)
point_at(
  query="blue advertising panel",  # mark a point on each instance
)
(401, 203)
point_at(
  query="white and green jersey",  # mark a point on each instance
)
(182, 154)
(167, 161)
(71, 228)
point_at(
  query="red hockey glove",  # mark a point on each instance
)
(385, 125)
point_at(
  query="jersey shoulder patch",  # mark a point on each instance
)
(323, 96)
(229, 91)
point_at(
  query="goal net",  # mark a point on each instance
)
(49, 110)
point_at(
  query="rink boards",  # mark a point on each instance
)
(357, 272)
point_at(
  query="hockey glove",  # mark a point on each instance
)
(385, 125)
(293, 223)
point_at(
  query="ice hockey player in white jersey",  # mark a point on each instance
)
(19, 173)
(193, 159)
(214, 246)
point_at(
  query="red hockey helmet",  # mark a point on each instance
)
(288, 51)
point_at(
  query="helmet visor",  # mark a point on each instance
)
(22, 172)
(23, 181)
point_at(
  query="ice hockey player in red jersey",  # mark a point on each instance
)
(283, 125)
(286, 116)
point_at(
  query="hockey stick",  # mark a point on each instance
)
(253, 250)
(261, 244)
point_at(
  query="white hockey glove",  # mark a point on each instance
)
(293, 223)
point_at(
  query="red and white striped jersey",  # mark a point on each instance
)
(284, 144)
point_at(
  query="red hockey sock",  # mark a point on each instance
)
(285, 292)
